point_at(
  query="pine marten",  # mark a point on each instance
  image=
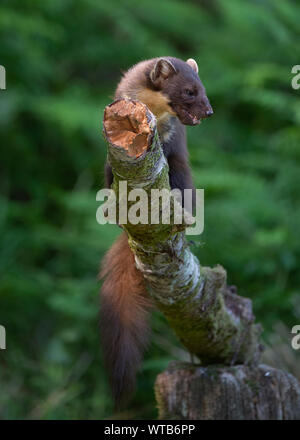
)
(172, 90)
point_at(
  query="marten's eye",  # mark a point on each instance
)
(189, 92)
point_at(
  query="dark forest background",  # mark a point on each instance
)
(63, 60)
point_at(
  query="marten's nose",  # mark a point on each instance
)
(209, 112)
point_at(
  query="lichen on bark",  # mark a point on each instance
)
(211, 322)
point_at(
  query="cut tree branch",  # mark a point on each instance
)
(212, 322)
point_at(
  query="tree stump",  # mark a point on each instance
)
(190, 392)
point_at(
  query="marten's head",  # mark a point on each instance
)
(178, 82)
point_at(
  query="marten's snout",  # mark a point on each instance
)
(206, 108)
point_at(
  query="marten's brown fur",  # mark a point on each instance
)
(124, 328)
(172, 90)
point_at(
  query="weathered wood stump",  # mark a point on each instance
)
(189, 392)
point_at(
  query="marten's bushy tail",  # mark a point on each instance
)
(123, 318)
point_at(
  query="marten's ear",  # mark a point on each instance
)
(163, 69)
(192, 63)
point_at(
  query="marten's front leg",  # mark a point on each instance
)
(180, 175)
(109, 177)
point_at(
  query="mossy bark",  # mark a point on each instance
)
(212, 322)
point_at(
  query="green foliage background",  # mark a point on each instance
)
(63, 60)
